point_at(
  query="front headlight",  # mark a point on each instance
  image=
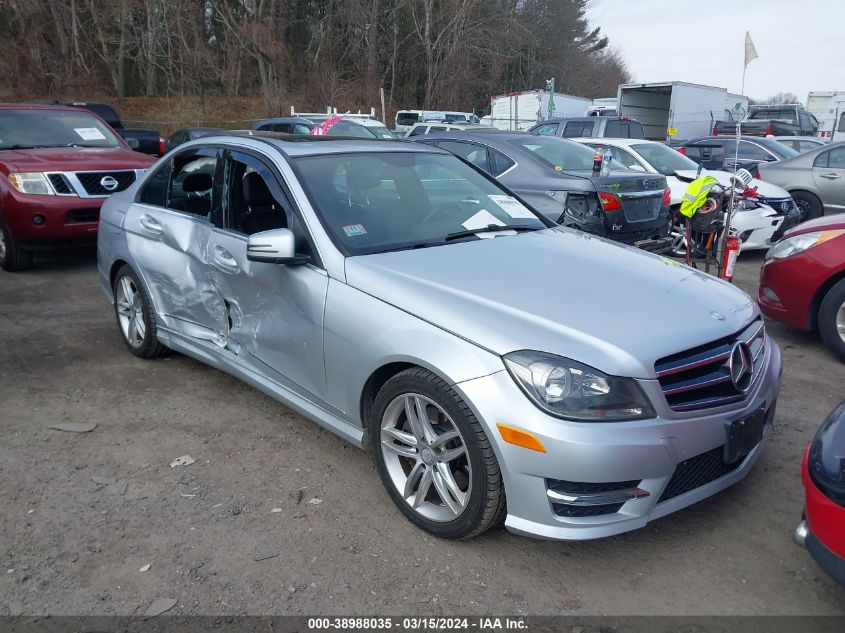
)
(32, 182)
(800, 243)
(570, 390)
(826, 461)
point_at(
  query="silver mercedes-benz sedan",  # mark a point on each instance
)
(495, 365)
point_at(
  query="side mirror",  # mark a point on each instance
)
(276, 246)
(133, 143)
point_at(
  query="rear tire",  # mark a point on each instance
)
(808, 204)
(135, 316)
(448, 453)
(832, 319)
(12, 257)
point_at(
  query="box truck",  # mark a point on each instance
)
(673, 110)
(521, 110)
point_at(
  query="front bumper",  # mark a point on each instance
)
(829, 561)
(638, 458)
(62, 220)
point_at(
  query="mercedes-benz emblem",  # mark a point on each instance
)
(741, 367)
(717, 315)
(109, 183)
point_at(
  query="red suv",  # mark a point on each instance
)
(57, 165)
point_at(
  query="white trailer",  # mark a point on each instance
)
(605, 106)
(521, 110)
(826, 106)
(687, 110)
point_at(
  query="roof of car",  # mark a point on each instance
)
(306, 145)
(285, 119)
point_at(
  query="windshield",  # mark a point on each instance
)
(380, 131)
(562, 155)
(383, 201)
(664, 159)
(21, 129)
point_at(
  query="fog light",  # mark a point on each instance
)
(38, 219)
(770, 294)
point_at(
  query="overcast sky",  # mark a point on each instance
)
(801, 44)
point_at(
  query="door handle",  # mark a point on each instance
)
(831, 176)
(224, 258)
(151, 224)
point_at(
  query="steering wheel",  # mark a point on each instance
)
(448, 209)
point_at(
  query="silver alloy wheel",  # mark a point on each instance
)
(840, 322)
(2, 245)
(679, 239)
(130, 313)
(426, 457)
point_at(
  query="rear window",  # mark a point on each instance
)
(577, 129)
(23, 129)
(407, 118)
(561, 155)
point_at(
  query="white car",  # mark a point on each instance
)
(755, 224)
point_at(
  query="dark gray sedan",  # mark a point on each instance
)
(816, 179)
(555, 176)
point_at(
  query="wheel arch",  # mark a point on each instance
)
(821, 293)
(116, 265)
(793, 190)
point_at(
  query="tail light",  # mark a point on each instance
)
(713, 131)
(162, 150)
(667, 197)
(770, 130)
(682, 150)
(609, 202)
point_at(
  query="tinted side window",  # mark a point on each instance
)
(635, 129)
(624, 157)
(752, 151)
(547, 129)
(822, 160)
(500, 163)
(836, 158)
(613, 129)
(576, 129)
(154, 190)
(420, 129)
(437, 128)
(476, 154)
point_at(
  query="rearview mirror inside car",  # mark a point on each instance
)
(276, 246)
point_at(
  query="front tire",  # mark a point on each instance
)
(832, 319)
(808, 204)
(12, 257)
(135, 316)
(434, 458)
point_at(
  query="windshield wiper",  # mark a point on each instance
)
(490, 228)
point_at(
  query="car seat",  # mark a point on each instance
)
(263, 213)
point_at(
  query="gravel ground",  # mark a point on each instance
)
(226, 535)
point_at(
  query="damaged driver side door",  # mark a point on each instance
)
(273, 312)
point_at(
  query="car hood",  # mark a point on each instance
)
(824, 223)
(561, 291)
(73, 159)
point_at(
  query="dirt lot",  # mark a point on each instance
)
(73, 546)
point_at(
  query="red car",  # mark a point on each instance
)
(823, 529)
(57, 165)
(802, 282)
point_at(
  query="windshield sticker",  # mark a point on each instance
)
(353, 230)
(89, 134)
(482, 220)
(512, 206)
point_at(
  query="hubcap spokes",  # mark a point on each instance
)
(840, 321)
(2, 245)
(426, 457)
(130, 312)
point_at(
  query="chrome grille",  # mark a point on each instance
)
(700, 378)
